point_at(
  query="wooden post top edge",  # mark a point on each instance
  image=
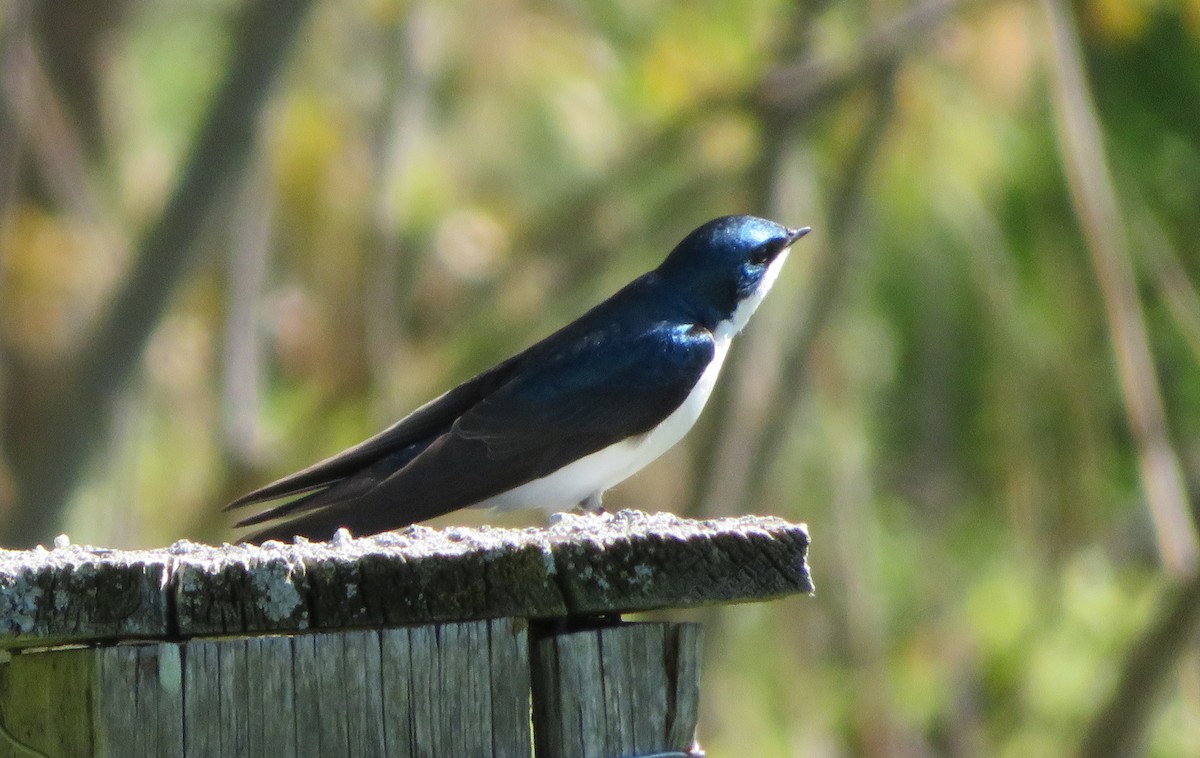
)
(579, 565)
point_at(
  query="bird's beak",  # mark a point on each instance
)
(795, 234)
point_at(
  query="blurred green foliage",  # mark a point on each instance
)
(438, 184)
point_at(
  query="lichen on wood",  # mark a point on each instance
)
(580, 565)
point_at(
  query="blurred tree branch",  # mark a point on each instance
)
(72, 36)
(44, 132)
(14, 33)
(1172, 279)
(1084, 159)
(14, 47)
(804, 87)
(1118, 728)
(250, 240)
(58, 433)
(398, 123)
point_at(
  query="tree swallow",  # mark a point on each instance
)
(558, 424)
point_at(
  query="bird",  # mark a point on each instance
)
(559, 423)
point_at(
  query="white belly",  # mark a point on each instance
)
(594, 473)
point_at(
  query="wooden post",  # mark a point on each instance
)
(617, 691)
(456, 642)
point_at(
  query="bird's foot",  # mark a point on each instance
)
(591, 505)
(588, 507)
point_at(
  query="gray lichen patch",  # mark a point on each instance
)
(76, 591)
(278, 596)
(580, 565)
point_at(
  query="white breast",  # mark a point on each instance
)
(602, 469)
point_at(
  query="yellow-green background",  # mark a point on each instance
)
(946, 384)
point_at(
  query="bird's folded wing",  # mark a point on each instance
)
(605, 390)
(555, 408)
(420, 426)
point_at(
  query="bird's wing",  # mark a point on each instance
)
(401, 440)
(598, 389)
(613, 385)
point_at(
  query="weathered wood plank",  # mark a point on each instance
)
(273, 725)
(307, 704)
(582, 565)
(363, 678)
(201, 698)
(630, 689)
(233, 687)
(168, 676)
(684, 666)
(332, 713)
(393, 693)
(77, 593)
(400, 702)
(643, 562)
(568, 713)
(42, 704)
(109, 701)
(137, 701)
(235, 590)
(508, 651)
(466, 695)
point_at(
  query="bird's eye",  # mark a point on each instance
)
(762, 253)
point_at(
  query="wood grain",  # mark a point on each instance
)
(394, 693)
(623, 690)
(580, 566)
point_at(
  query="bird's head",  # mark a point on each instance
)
(725, 267)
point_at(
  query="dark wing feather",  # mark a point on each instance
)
(590, 391)
(410, 434)
(618, 383)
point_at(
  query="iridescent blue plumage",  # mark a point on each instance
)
(562, 421)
